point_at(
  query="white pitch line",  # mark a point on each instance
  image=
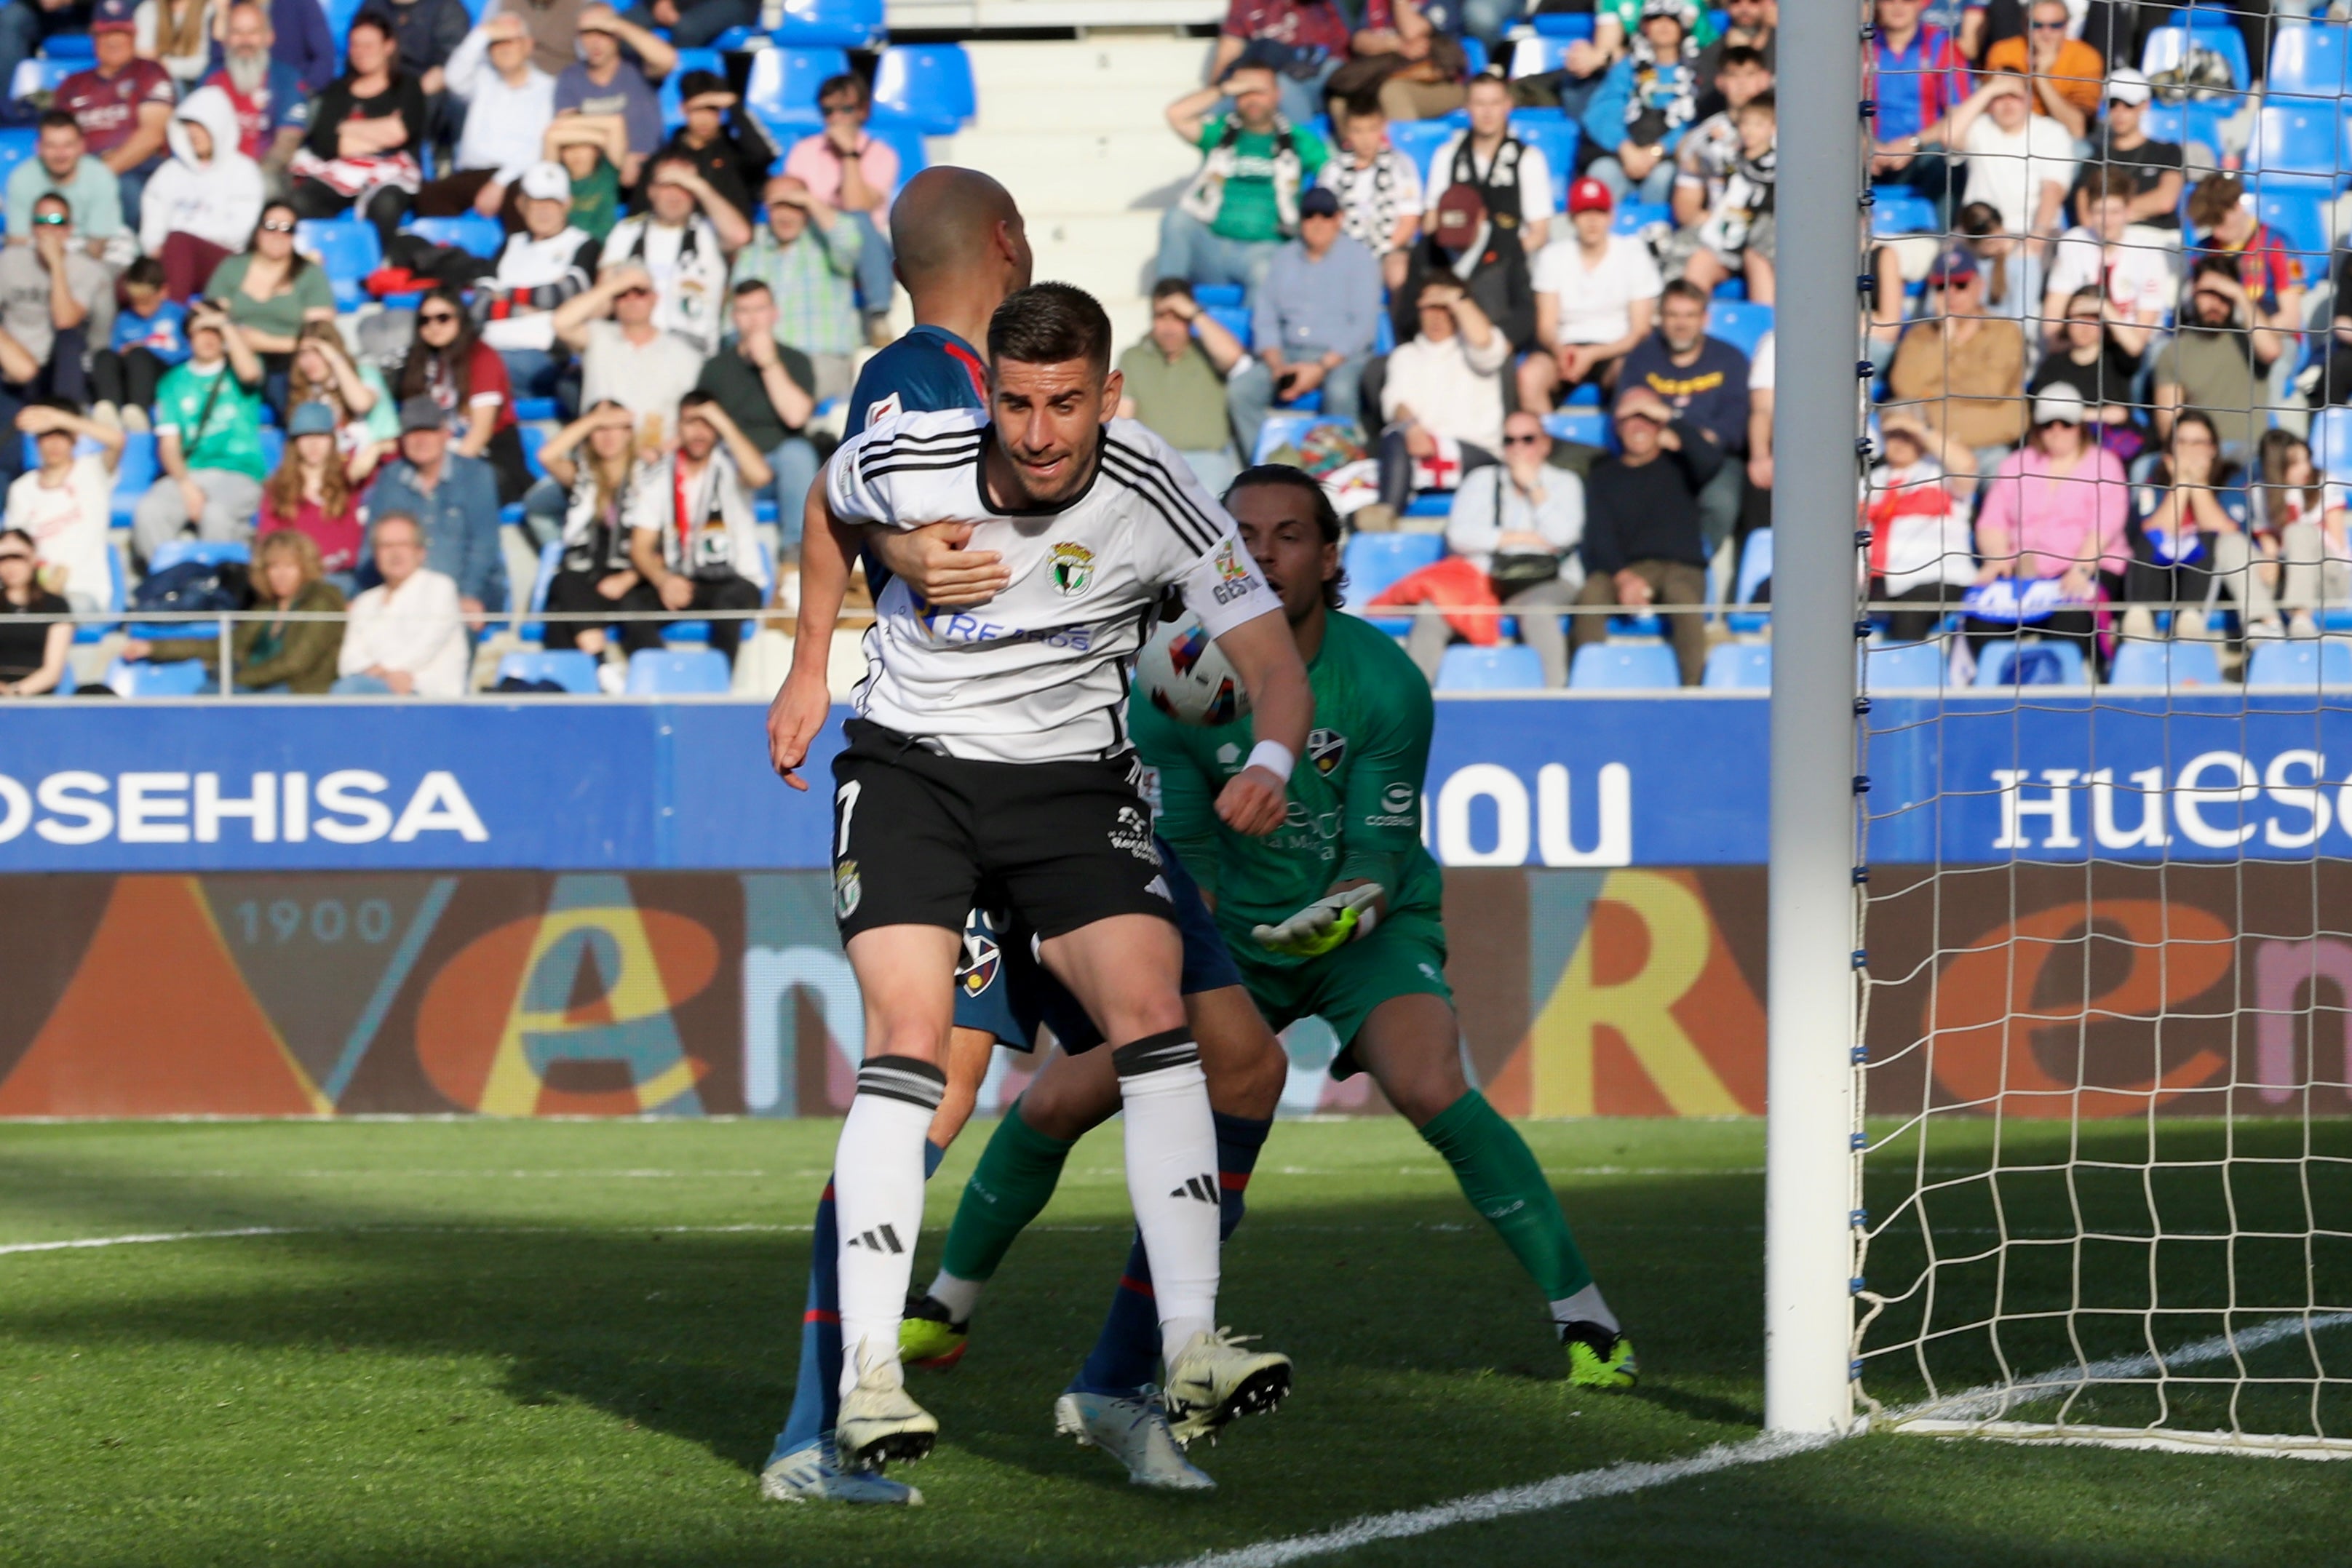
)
(1616, 1480)
(141, 1240)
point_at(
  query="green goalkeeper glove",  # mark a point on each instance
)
(1330, 922)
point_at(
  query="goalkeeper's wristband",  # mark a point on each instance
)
(1273, 757)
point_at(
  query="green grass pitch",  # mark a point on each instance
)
(499, 1343)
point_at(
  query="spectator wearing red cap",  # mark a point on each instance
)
(1459, 242)
(1596, 296)
(1963, 371)
(123, 104)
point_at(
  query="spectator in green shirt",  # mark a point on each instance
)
(1243, 203)
(1175, 383)
(208, 439)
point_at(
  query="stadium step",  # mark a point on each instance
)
(1079, 169)
(1155, 67)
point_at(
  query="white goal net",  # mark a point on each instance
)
(2102, 1045)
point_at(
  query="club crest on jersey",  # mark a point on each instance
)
(1326, 748)
(1073, 566)
(981, 960)
(848, 887)
(1132, 834)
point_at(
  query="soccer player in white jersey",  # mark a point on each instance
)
(991, 744)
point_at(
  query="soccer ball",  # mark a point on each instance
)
(1181, 673)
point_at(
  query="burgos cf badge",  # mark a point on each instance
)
(847, 889)
(1326, 749)
(980, 961)
(1073, 566)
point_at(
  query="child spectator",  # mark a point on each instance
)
(1644, 106)
(274, 653)
(313, 494)
(149, 336)
(1736, 239)
(367, 420)
(1710, 149)
(65, 505)
(1378, 188)
(1596, 295)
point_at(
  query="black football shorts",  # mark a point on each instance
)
(916, 835)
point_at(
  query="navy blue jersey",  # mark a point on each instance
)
(929, 369)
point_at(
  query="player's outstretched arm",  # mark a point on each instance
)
(938, 568)
(1265, 656)
(801, 705)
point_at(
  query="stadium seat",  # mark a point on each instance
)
(1208, 296)
(117, 596)
(340, 14)
(39, 76)
(2209, 30)
(837, 23)
(1587, 426)
(132, 475)
(76, 49)
(1738, 667)
(1563, 24)
(674, 672)
(17, 144)
(2013, 664)
(2300, 663)
(273, 445)
(1741, 325)
(2183, 123)
(2308, 60)
(1419, 140)
(673, 111)
(222, 552)
(1284, 427)
(537, 410)
(782, 88)
(1557, 136)
(2331, 443)
(347, 249)
(1623, 668)
(533, 437)
(573, 670)
(1895, 210)
(906, 139)
(1539, 54)
(1755, 567)
(550, 561)
(1374, 561)
(1632, 217)
(928, 85)
(2168, 664)
(2297, 209)
(185, 678)
(1510, 667)
(1903, 666)
(469, 232)
(2296, 136)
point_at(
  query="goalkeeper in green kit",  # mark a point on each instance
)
(1337, 914)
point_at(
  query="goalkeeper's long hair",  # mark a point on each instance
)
(1326, 517)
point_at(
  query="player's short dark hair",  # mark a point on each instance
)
(147, 272)
(1049, 324)
(1327, 517)
(56, 119)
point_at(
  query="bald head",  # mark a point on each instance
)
(956, 229)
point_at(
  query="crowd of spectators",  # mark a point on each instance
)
(2077, 354)
(698, 289)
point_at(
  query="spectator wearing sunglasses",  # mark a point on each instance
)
(1521, 521)
(271, 291)
(627, 358)
(2067, 75)
(466, 379)
(2154, 171)
(56, 301)
(1962, 369)
(857, 175)
(62, 163)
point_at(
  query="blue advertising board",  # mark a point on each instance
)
(1571, 781)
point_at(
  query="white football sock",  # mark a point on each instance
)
(958, 1296)
(1172, 1179)
(877, 1200)
(1585, 1307)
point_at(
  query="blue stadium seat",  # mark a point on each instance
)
(133, 475)
(906, 139)
(184, 678)
(1755, 567)
(1510, 667)
(2300, 663)
(40, 75)
(117, 596)
(2182, 123)
(347, 249)
(1741, 325)
(1895, 210)
(2296, 207)
(2009, 663)
(17, 144)
(1474, 54)
(1419, 140)
(2308, 60)
(573, 670)
(1374, 561)
(2331, 443)
(927, 84)
(672, 672)
(1565, 24)
(273, 447)
(1284, 427)
(782, 88)
(1588, 426)
(469, 232)
(837, 23)
(2167, 664)
(76, 49)
(2296, 136)
(340, 13)
(1557, 135)
(1905, 666)
(550, 561)
(171, 554)
(673, 111)
(1209, 295)
(533, 437)
(1739, 667)
(530, 409)
(2167, 47)
(1536, 56)
(1632, 217)
(1623, 668)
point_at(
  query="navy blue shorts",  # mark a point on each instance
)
(1003, 991)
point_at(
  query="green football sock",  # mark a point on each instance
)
(1501, 1180)
(1008, 1189)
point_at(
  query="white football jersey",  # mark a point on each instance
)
(1039, 674)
